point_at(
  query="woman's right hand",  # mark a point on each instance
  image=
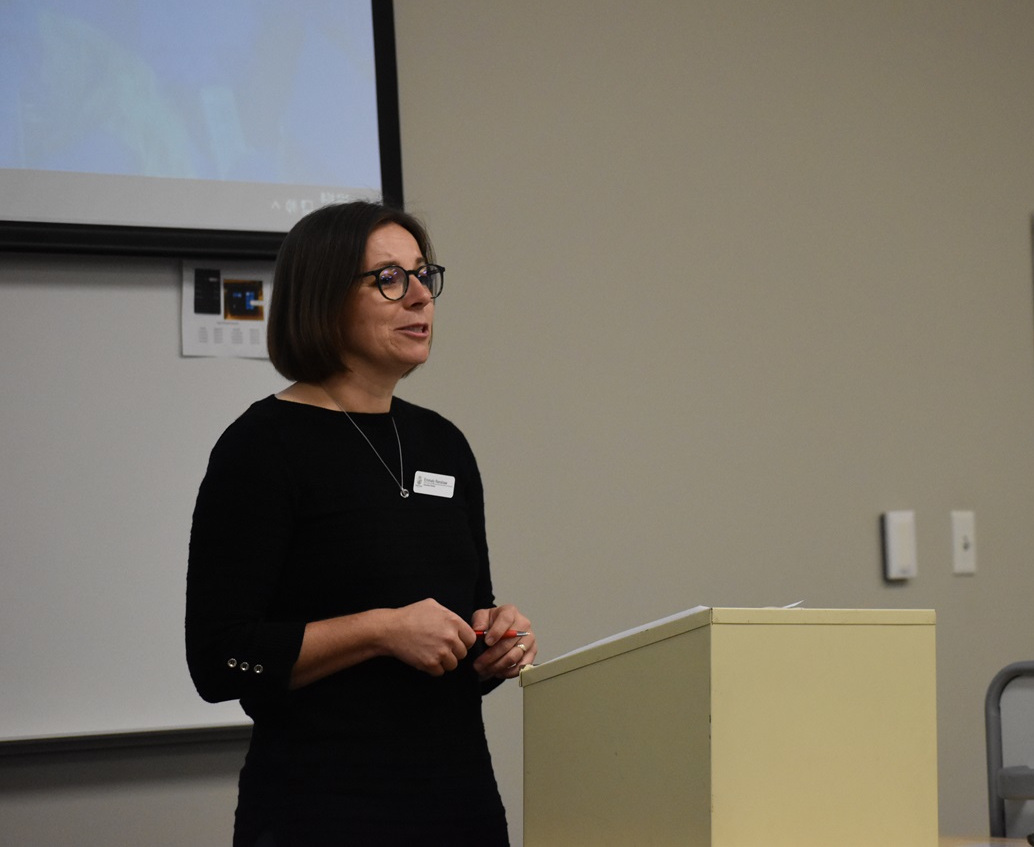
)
(425, 635)
(429, 637)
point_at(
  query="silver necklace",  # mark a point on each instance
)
(403, 491)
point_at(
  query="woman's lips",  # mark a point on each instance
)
(421, 330)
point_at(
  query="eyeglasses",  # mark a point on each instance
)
(393, 280)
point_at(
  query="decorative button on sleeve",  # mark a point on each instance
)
(244, 666)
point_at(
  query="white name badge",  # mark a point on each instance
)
(435, 484)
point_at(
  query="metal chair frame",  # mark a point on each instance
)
(1003, 783)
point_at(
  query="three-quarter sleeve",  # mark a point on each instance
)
(242, 526)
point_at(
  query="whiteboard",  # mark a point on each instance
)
(105, 431)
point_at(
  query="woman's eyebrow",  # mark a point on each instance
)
(384, 263)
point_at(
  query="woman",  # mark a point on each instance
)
(339, 567)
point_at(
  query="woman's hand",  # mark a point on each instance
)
(503, 657)
(429, 637)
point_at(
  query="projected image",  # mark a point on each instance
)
(242, 299)
(275, 94)
(206, 90)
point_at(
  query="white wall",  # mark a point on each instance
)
(726, 280)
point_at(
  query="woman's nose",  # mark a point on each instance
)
(417, 293)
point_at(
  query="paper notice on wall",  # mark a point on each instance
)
(225, 308)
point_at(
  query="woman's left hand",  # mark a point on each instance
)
(503, 657)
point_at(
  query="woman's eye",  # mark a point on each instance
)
(390, 276)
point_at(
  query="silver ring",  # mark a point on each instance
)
(523, 648)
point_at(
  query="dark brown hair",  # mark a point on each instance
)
(317, 267)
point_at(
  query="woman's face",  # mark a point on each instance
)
(384, 337)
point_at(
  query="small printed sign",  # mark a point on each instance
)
(435, 484)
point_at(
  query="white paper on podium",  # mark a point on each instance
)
(635, 629)
(644, 627)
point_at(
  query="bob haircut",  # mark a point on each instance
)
(317, 268)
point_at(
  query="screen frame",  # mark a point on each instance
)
(96, 239)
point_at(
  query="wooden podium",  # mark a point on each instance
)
(736, 727)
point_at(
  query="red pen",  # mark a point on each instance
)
(510, 633)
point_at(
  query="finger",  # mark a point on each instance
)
(502, 619)
(528, 652)
(481, 619)
(522, 643)
(503, 631)
(498, 654)
(510, 661)
(467, 638)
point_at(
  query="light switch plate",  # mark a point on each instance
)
(899, 545)
(964, 542)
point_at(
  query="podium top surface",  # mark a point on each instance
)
(702, 616)
(797, 615)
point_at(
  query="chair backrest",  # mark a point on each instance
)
(993, 732)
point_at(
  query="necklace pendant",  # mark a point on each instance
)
(404, 493)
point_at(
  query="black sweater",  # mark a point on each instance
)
(298, 520)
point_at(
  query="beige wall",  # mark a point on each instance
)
(726, 280)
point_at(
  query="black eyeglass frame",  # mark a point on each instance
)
(415, 273)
